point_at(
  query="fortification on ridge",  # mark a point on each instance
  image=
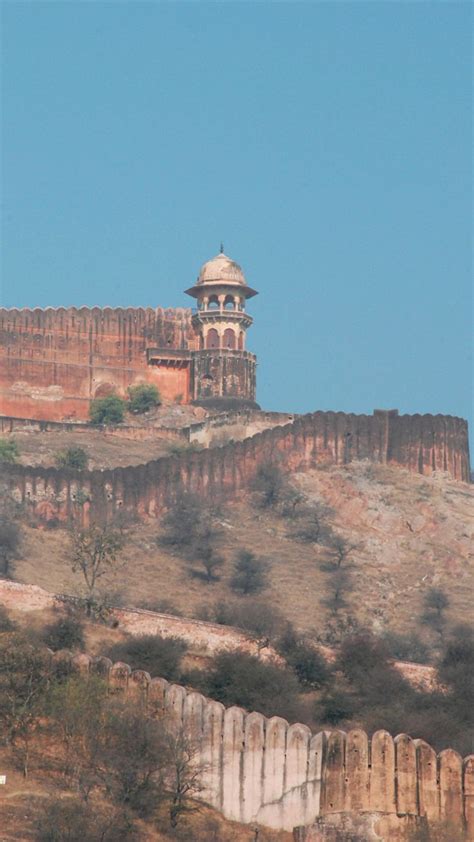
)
(55, 361)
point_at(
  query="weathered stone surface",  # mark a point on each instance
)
(405, 773)
(212, 753)
(334, 774)
(450, 787)
(274, 759)
(232, 761)
(357, 771)
(428, 794)
(254, 740)
(382, 773)
(468, 775)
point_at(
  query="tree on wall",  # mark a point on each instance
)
(94, 553)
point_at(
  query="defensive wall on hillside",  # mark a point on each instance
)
(419, 443)
(54, 361)
(266, 771)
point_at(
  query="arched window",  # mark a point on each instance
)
(229, 302)
(241, 340)
(213, 303)
(212, 340)
(229, 338)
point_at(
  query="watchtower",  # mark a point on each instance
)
(224, 372)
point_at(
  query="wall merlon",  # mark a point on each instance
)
(280, 775)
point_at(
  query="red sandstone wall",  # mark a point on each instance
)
(418, 443)
(53, 361)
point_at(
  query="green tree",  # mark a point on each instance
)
(309, 666)
(8, 450)
(159, 656)
(240, 679)
(249, 574)
(109, 410)
(72, 457)
(66, 633)
(143, 397)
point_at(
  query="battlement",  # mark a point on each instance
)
(420, 443)
(267, 771)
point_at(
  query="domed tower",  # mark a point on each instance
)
(223, 371)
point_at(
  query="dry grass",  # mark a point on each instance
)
(411, 532)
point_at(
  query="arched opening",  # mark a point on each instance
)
(241, 340)
(104, 390)
(229, 338)
(229, 302)
(212, 340)
(213, 303)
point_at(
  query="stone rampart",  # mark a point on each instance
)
(54, 361)
(419, 443)
(269, 772)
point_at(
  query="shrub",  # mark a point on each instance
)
(268, 484)
(6, 624)
(211, 561)
(407, 647)
(161, 606)
(10, 540)
(255, 616)
(189, 522)
(240, 679)
(72, 457)
(143, 398)
(69, 820)
(109, 410)
(309, 666)
(435, 604)
(65, 633)
(249, 574)
(159, 656)
(8, 450)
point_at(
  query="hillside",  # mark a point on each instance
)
(409, 533)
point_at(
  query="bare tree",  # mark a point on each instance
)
(24, 676)
(94, 553)
(184, 775)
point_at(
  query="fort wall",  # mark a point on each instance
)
(53, 361)
(419, 443)
(267, 771)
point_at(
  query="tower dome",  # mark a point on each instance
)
(221, 268)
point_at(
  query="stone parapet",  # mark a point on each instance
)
(267, 771)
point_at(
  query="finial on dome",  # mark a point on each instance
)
(221, 251)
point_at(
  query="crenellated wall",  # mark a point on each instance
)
(54, 361)
(267, 771)
(419, 443)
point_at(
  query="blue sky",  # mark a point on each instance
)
(327, 144)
